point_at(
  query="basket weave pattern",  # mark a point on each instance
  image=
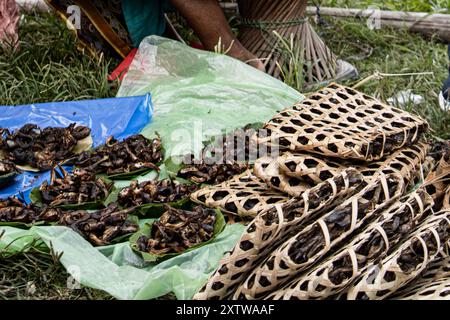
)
(333, 275)
(405, 263)
(244, 195)
(271, 227)
(317, 239)
(341, 122)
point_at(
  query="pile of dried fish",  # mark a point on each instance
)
(15, 210)
(134, 154)
(178, 230)
(211, 173)
(80, 187)
(7, 167)
(100, 227)
(41, 148)
(163, 191)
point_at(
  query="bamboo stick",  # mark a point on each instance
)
(418, 22)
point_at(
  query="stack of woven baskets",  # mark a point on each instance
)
(355, 206)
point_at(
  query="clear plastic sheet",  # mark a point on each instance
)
(198, 94)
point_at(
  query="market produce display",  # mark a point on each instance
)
(406, 262)
(244, 195)
(38, 149)
(132, 156)
(79, 188)
(331, 276)
(322, 236)
(15, 210)
(379, 220)
(178, 230)
(271, 227)
(340, 122)
(211, 173)
(100, 227)
(154, 191)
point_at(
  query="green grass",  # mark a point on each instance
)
(49, 68)
(393, 51)
(438, 6)
(35, 274)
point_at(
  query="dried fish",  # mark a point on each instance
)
(80, 187)
(211, 173)
(13, 209)
(178, 230)
(100, 227)
(41, 148)
(163, 191)
(136, 153)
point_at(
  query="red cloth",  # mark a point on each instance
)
(9, 20)
(122, 68)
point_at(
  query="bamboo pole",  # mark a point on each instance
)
(419, 22)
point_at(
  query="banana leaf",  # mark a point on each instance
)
(7, 178)
(148, 210)
(81, 146)
(23, 225)
(36, 198)
(219, 225)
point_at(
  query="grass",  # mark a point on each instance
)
(49, 68)
(393, 51)
(35, 274)
(438, 6)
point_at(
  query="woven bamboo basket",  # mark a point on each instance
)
(319, 238)
(270, 228)
(341, 122)
(293, 173)
(260, 19)
(244, 195)
(267, 169)
(433, 284)
(332, 276)
(406, 263)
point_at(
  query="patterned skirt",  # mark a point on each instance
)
(99, 25)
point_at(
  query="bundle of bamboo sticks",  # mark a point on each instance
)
(261, 19)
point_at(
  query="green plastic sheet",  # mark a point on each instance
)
(199, 94)
(196, 95)
(121, 272)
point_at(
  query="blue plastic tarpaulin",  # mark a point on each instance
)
(119, 117)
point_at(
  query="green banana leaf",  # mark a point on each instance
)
(219, 225)
(36, 198)
(23, 225)
(149, 210)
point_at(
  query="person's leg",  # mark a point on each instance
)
(209, 23)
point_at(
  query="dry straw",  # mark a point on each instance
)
(334, 274)
(270, 228)
(244, 195)
(321, 237)
(341, 122)
(279, 33)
